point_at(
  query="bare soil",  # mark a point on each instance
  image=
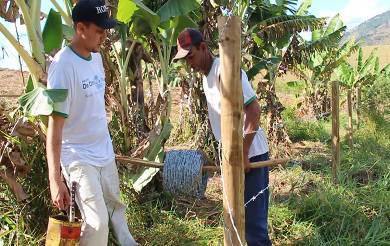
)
(11, 86)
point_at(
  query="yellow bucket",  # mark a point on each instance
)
(61, 232)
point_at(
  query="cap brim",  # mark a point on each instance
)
(181, 53)
(107, 23)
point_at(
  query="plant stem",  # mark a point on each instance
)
(35, 41)
(123, 94)
(350, 127)
(34, 68)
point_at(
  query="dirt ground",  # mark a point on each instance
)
(11, 85)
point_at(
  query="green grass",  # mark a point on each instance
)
(354, 212)
(155, 218)
(300, 130)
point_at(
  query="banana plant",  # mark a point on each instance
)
(37, 100)
(161, 28)
(353, 79)
(42, 42)
(158, 29)
(348, 80)
(270, 31)
(31, 16)
(317, 66)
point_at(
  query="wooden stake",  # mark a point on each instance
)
(335, 129)
(231, 129)
(350, 126)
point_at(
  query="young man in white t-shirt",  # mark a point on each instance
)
(78, 142)
(195, 51)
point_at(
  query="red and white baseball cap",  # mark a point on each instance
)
(186, 40)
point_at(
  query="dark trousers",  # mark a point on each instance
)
(256, 212)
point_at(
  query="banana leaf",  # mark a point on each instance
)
(173, 8)
(296, 84)
(30, 85)
(52, 32)
(303, 8)
(127, 8)
(175, 25)
(253, 71)
(334, 24)
(155, 153)
(40, 101)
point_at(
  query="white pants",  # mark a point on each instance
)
(98, 199)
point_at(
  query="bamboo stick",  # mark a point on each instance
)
(136, 161)
(10, 95)
(210, 167)
(259, 164)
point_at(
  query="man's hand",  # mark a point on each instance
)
(247, 166)
(59, 194)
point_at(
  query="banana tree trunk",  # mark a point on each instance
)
(312, 104)
(275, 127)
(321, 102)
(358, 99)
(316, 103)
(350, 126)
(137, 87)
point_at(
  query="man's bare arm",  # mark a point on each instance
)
(251, 125)
(58, 190)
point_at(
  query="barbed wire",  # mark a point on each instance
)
(255, 197)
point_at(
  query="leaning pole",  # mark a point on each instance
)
(231, 129)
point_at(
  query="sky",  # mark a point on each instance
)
(8, 55)
(353, 12)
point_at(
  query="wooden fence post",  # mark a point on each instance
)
(231, 129)
(335, 129)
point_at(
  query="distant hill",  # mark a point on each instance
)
(382, 51)
(374, 31)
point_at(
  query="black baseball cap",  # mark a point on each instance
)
(94, 11)
(186, 40)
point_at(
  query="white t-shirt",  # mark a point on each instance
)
(211, 86)
(85, 136)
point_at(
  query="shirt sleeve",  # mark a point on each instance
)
(60, 78)
(247, 90)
